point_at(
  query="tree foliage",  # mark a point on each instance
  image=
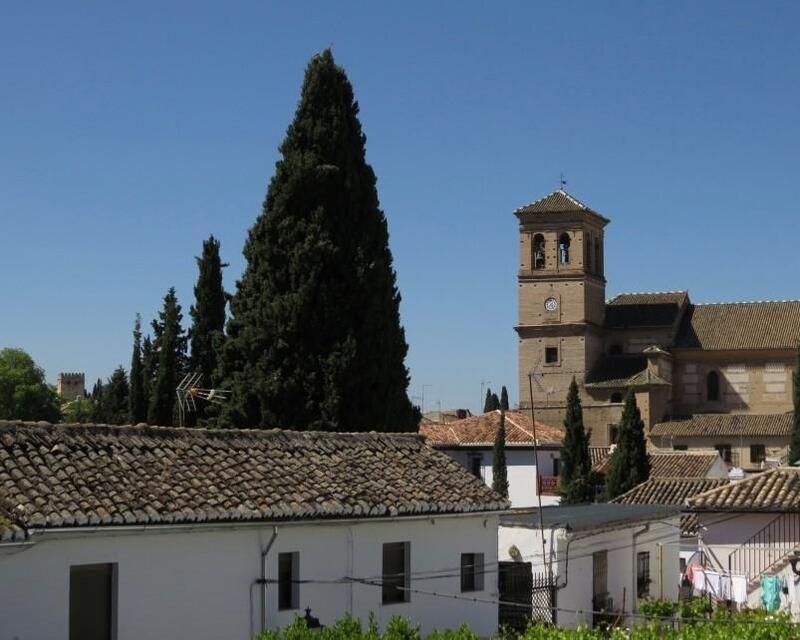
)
(628, 465)
(137, 400)
(504, 398)
(499, 464)
(170, 357)
(111, 403)
(491, 403)
(79, 410)
(314, 340)
(576, 484)
(24, 394)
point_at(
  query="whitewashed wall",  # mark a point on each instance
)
(199, 584)
(522, 470)
(573, 564)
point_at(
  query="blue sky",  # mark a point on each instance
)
(130, 132)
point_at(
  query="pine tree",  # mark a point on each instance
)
(208, 316)
(97, 391)
(499, 466)
(487, 403)
(794, 447)
(114, 401)
(504, 398)
(628, 465)
(137, 400)
(170, 346)
(576, 483)
(314, 340)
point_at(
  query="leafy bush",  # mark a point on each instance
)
(657, 608)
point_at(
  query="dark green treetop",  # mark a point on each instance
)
(24, 394)
(170, 348)
(112, 404)
(628, 465)
(576, 482)
(314, 340)
(499, 465)
(137, 401)
(504, 398)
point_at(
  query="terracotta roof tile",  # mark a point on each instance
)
(669, 490)
(674, 464)
(557, 202)
(74, 475)
(598, 454)
(622, 371)
(726, 424)
(741, 325)
(776, 490)
(481, 430)
(645, 309)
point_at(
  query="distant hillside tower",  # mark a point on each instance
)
(71, 385)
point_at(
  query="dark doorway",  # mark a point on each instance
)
(91, 602)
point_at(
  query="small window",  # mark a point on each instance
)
(471, 572)
(288, 580)
(589, 254)
(538, 251)
(724, 451)
(616, 397)
(91, 602)
(598, 260)
(396, 574)
(556, 467)
(712, 386)
(643, 574)
(563, 248)
(613, 434)
(680, 447)
(476, 465)
(615, 349)
(551, 355)
(758, 453)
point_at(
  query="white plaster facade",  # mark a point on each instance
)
(572, 556)
(199, 582)
(522, 470)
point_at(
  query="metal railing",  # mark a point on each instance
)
(767, 547)
(548, 485)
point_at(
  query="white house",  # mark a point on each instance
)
(603, 557)
(470, 441)
(149, 532)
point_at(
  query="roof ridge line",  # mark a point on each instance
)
(571, 198)
(709, 304)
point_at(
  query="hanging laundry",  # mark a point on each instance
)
(698, 581)
(739, 589)
(725, 588)
(771, 593)
(713, 583)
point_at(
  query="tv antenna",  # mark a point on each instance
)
(188, 391)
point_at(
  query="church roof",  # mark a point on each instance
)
(557, 202)
(645, 309)
(618, 371)
(480, 431)
(726, 424)
(741, 325)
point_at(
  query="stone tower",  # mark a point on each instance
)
(70, 385)
(561, 298)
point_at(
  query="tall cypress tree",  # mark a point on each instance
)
(315, 340)
(208, 316)
(137, 401)
(170, 346)
(149, 365)
(628, 465)
(487, 402)
(794, 446)
(576, 483)
(504, 398)
(114, 403)
(499, 465)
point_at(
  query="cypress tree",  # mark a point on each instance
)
(148, 370)
(314, 340)
(115, 398)
(504, 398)
(499, 467)
(137, 401)
(487, 403)
(628, 465)
(495, 402)
(576, 483)
(794, 446)
(170, 347)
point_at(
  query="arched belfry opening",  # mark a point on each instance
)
(538, 251)
(563, 248)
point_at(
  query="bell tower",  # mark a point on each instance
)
(561, 289)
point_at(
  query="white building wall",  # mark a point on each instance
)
(573, 569)
(522, 470)
(200, 583)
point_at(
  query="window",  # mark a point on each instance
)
(643, 574)
(724, 451)
(471, 572)
(557, 467)
(758, 453)
(712, 385)
(589, 254)
(551, 355)
(615, 349)
(616, 397)
(476, 465)
(92, 595)
(288, 576)
(680, 447)
(563, 248)
(396, 578)
(538, 251)
(598, 260)
(613, 433)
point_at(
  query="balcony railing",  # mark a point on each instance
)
(548, 485)
(767, 547)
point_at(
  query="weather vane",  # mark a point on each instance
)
(562, 182)
(188, 390)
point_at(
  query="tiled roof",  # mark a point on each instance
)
(481, 430)
(598, 454)
(76, 475)
(741, 325)
(622, 371)
(776, 490)
(557, 202)
(645, 309)
(674, 464)
(726, 424)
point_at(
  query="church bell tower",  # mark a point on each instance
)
(561, 298)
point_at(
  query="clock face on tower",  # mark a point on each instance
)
(551, 304)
